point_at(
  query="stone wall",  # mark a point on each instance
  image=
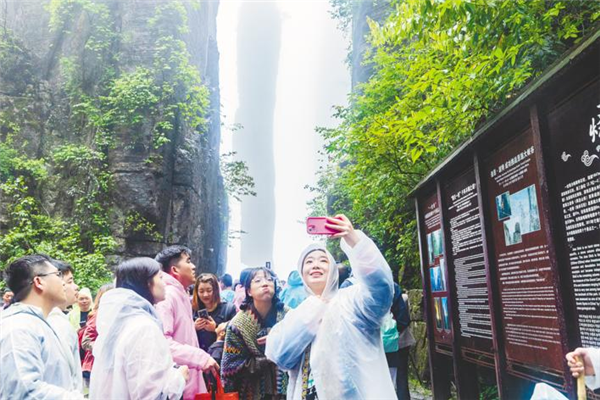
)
(419, 363)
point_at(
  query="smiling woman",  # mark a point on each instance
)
(210, 312)
(311, 343)
(315, 270)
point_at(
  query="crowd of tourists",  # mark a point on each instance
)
(161, 332)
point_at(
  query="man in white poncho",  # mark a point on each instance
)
(33, 363)
(59, 321)
(331, 344)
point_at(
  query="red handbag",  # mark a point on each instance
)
(216, 391)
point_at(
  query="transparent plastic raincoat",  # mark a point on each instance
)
(347, 359)
(132, 357)
(33, 363)
(59, 321)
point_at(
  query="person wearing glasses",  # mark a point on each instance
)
(244, 367)
(32, 360)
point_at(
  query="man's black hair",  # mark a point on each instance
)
(227, 280)
(62, 266)
(22, 271)
(169, 256)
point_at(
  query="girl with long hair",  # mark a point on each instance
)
(209, 311)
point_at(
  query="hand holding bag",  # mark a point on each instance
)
(216, 391)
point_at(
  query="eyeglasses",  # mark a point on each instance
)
(260, 280)
(57, 273)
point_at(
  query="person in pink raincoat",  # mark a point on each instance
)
(176, 315)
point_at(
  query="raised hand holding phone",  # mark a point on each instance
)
(344, 228)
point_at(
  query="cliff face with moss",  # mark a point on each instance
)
(110, 131)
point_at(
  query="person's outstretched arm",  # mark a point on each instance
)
(374, 277)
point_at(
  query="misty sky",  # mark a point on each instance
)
(310, 78)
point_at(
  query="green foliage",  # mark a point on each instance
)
(440, 68)
(137, 224)
(180, 82)
(489, 392)
(33, 230)
(238, 182)
(12, 163)
(16, 64)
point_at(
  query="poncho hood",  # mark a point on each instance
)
(331, 286)
(116, 308)
(295, 279)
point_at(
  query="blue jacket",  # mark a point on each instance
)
(294, 293)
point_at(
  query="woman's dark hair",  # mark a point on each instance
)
(136, 274)
(211, 279)
(248, 303)
(248, 282)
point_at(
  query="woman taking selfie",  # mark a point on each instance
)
(209, 311)
(331, 343)
(244, 368)
(132, 357)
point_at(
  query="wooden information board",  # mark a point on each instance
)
(509, 232)
(528, 296)
(468, 262)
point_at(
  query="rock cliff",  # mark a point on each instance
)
(120, 98)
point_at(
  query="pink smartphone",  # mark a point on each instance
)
(316, 226)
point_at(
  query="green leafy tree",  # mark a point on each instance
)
(440, 68)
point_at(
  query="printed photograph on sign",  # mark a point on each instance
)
(503, 206)
(437, 279)
(445, 314)
(434, 245)
(438, 313)
(443, 273)
(524, 206)
(512, 231)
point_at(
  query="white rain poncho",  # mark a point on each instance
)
(132, 357)
(33, 364)
(347, 359)
(59, 321)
